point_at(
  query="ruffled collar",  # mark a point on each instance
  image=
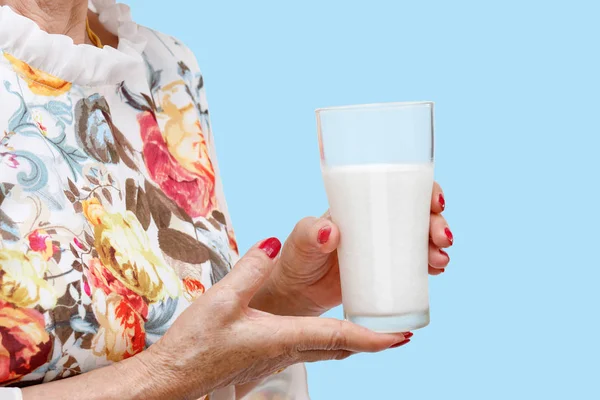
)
(80, 64)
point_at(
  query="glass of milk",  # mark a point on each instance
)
(377, 163)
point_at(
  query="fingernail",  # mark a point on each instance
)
(442, 270)
(402, 343)
(448, 233)
(408, 335)
(442, 201)
(323, 235)
(271, 246)
(442, 252)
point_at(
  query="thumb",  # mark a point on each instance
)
(253, 269)
(312, 237)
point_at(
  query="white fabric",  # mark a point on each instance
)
(11, 394)
(81, 64)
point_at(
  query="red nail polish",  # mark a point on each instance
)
(442, 201)
(402, 343)
(271, 247)
(442, 252)
(448, 233)
(442, 271)
(408, 335)
(323, 235)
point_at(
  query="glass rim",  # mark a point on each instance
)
(396, 104)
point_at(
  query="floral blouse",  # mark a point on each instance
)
(112, 215)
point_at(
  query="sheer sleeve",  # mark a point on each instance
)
(290, 384)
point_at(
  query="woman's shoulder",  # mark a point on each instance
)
(171, 67)
(168, 52)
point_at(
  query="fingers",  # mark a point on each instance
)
(436, 271)
(438, 202)
(325, 355)
(440, 233)
(438, 258)
(253, 269)
(314, 235)
(310, 334)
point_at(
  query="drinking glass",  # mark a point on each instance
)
(377, 164)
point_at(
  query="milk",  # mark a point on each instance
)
(382, 211)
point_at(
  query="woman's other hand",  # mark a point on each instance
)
(306, 279)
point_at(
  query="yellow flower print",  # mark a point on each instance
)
(125, 250)
(93, 210)
(182, 133)
(22, 279)
(39, 82)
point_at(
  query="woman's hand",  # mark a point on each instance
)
(220, 341)
(306, 280)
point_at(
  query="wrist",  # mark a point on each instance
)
(155, 377)
(139, 377)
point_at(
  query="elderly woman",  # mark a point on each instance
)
(117, 250)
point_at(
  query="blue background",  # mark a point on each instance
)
(516, 89)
